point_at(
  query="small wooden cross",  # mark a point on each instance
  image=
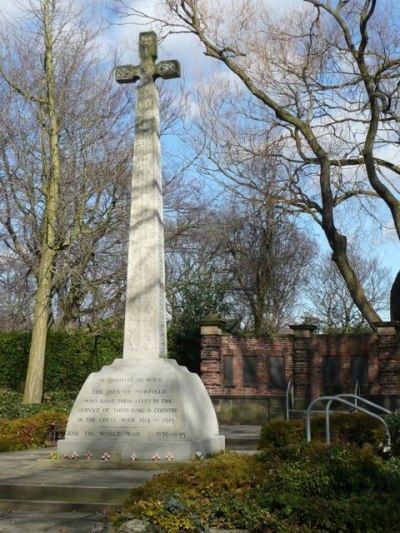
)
(148, 70)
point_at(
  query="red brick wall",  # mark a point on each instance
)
(303, 362)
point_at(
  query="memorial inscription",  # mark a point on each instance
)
(143, 409)
(148, 405)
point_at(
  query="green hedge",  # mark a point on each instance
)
(70, 357)
(14, 352)
(11, 406)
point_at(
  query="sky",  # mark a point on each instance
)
(194, 64)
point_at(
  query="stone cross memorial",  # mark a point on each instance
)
(144, 405)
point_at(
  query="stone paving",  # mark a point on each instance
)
(36, 499)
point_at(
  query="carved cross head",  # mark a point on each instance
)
(148, 70)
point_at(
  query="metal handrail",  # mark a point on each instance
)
(342, 400)
(357, 390)
(357, 407)
(289, 393)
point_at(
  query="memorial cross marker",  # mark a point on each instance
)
(144, 403)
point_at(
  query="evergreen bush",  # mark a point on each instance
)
(14, 352)
(70, 357)
(11, 406)
(393, 422)
(325, 489)
(347, 428)
(36, 431)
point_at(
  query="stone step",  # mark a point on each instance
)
(35, 496)
(103, 496)
(46, 507)
(242, 443)
(78, 500)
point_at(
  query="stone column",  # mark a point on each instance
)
(211, 357)
(145, 324)
(388, 349)
(302, 359)
(145, 331)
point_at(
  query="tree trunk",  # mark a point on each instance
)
(51, 187)
(339, 256)
(34, 380)
(338, 244)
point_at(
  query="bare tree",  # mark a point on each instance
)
(322, 87)
(329, 300)
(266, 258)
(63, 158)
(16, 289)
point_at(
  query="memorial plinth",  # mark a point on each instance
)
(141, 408)
(144, 404)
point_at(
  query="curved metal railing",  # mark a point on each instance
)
(289, 398)
(357, 407)
(341, 398)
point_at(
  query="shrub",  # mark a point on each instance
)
(70, 357)
(11, 406)
(212, 492)
(33, 432)
(280, 433)
(393, 422)
(322, 488)
(354, 428)
(346, 428)
(14, 352)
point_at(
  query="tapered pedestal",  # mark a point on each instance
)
(140, 408)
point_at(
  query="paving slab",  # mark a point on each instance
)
(22, 521)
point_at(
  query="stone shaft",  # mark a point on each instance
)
(145, 324)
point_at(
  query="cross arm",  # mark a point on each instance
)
(168, 69)
(127, 74)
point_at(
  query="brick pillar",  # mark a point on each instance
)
(211, 357)
(302, 357)
(388, 348)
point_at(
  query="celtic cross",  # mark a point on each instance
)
(148, 70)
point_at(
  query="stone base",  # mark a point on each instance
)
(144, 408)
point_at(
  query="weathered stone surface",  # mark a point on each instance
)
(134, 526)
(145, 323)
